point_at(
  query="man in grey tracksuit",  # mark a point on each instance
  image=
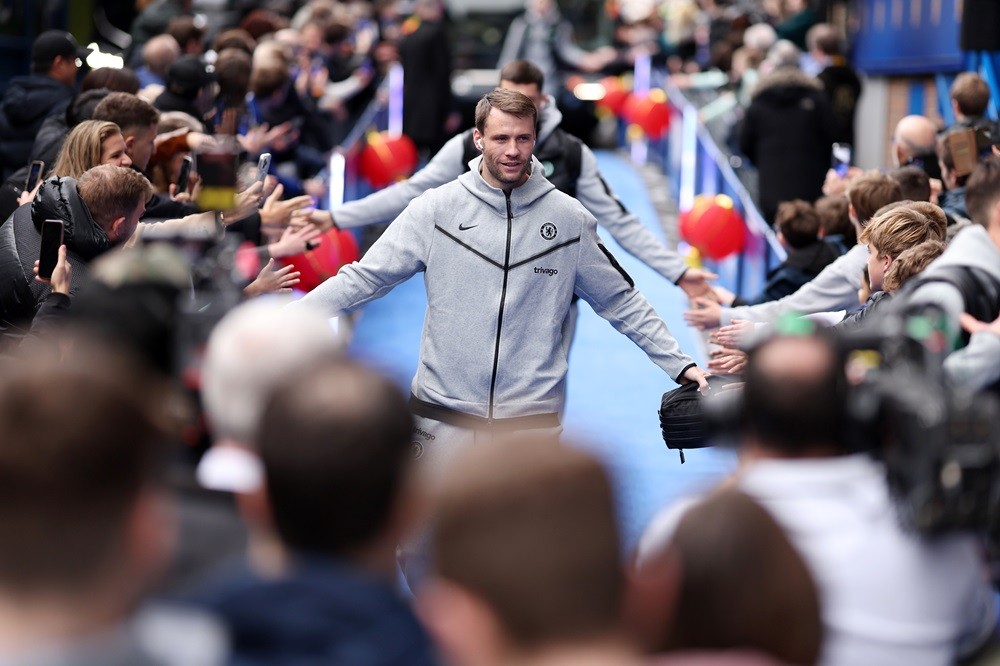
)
(580, 179)
(503, 253)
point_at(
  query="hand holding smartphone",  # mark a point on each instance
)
(48, 255)
(840, 158)
(263, 166)
(34, 175)
(184, 176)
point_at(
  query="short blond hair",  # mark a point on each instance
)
(900, 228)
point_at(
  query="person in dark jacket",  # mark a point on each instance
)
(787, 134)
(190, 87)
(840, 81)
(335, 443)
(99, 211)
(29, 100)
(798, 230)
(48, 143)
(426, 61)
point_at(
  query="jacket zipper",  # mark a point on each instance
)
(503, 298)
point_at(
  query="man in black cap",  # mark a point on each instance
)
(29, 100)
(189, 87)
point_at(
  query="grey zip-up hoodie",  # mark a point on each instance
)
(500, 274)
(635, 237)
(977, 365)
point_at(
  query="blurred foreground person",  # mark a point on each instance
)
(738, 592)
(335, 443)
(526, 564)
(85, 523)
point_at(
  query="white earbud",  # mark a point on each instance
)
(479, 145)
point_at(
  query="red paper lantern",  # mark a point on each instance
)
(629, 108)
(651, 113)
(386, 159)
(614, 95)
(714, 226)
(338, 248)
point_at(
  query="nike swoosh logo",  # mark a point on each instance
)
(462, 227)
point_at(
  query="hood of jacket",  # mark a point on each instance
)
(29, 99)
(785, 86)
(57, 199)
(972, 246)
(548, 120)
(813, 258)
(521, 198)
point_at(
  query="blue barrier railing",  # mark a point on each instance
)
(345, 183)
(694, 164)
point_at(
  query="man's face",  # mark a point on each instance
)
(64, 69)
(529, 90)
(506, 142)
(141, 145)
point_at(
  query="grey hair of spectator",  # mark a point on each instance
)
(760, 36)
(256, 346)
(783, 54)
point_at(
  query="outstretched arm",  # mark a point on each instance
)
(400, 253)
(385, 205)
(603, 283)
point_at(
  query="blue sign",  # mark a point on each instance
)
(906, 36)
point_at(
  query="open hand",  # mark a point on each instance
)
(272, 280)
(706, 313)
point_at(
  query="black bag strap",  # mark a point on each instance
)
(979, 289)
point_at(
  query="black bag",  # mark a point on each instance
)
(682, 418)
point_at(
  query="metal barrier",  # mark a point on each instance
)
(695, 164)
(383, 112)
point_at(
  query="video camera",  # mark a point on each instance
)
(940, 444)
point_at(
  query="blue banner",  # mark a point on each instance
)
(906, 36)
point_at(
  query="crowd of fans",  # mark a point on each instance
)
(194, 475)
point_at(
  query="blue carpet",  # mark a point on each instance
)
(614, 390)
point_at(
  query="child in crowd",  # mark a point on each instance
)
(902, 233)
(798, 228)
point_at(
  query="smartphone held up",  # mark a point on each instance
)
(840, 158)
(48, 255)
(34, 175)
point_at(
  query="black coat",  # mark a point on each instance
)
(29, 100)
(49, 140)
(843, 88)
(170, 101)
(787, 134)
(20, 243)
(426, 63)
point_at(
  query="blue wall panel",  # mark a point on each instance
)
(906, 36)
